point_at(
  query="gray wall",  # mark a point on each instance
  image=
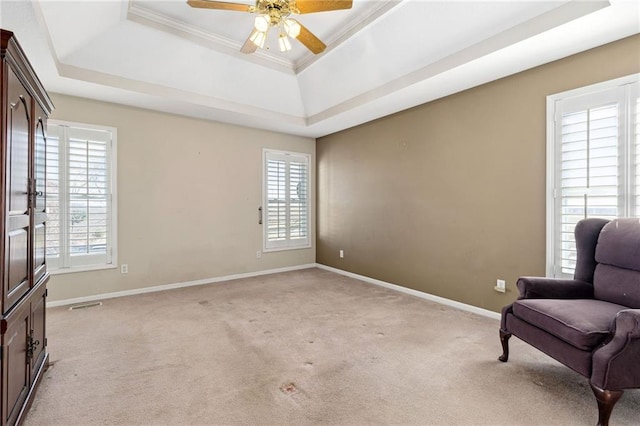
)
(449, 196)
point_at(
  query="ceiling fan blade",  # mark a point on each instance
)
(249, 46)
(311, 6)
(222, 5)
(312, 42)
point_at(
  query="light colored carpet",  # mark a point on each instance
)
(304, 347)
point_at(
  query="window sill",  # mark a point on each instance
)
(276, 249)
(62, 271)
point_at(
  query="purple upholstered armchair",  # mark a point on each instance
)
(591, 324)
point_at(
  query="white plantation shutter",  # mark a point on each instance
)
(595, 165)
(286, 200)
(79, 196)
(298, 199)
(589, 173)
(276, 200)
(53, 232)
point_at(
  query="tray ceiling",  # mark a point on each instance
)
(381, 57)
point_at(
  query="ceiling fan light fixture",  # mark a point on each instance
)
(275, 13)
(258, 38)
(292, 27)
(262, 23)
(284, 43)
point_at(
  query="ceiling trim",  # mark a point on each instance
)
(143, 87)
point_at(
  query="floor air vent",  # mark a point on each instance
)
(85, 305)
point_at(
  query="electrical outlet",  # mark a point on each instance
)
(258, 254)
(501, 286)
(341, 254)
(124, 268)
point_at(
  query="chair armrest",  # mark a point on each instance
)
(503, 317)
(615, 365)
(553, 288)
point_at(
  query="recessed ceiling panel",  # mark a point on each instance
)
(412, 36)
(381, 56)
(224, 30)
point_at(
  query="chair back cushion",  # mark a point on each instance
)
(617, 275)
(587, 232)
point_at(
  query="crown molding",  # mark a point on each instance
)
(145, 16)
(217, 42)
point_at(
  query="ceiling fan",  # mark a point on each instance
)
(276, 13)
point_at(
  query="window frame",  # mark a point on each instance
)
(552, 192)
(288, 244)
(113, 202)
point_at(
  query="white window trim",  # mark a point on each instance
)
(264, 217)
(551, 156)
(114, 199)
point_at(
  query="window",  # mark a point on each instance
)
(81, 225)
(593, 167)
(286, 200)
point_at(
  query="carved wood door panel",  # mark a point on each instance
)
(39, 186)
(15, 363)
(17, 244)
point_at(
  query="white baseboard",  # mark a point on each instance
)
(176, 285)
(443, 301)
(423, 295)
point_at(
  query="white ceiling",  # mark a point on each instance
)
(382, 56)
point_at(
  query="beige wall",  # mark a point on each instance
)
(188, 194)
(449, 196)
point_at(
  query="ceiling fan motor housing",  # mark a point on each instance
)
(276, 10)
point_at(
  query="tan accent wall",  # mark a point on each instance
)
(449, 196)
(188, 194)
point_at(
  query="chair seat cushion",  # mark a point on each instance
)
(583, 323)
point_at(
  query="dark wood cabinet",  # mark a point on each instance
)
(24, 108)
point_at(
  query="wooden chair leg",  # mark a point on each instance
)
(606, 400)
(504, 339)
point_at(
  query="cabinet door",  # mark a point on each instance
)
(38, 341)
(15, 364)
(39, 215)
(17, 244)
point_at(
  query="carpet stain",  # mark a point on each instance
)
(203, 302)
(289, 388)
(308, 363)
(296, 394)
